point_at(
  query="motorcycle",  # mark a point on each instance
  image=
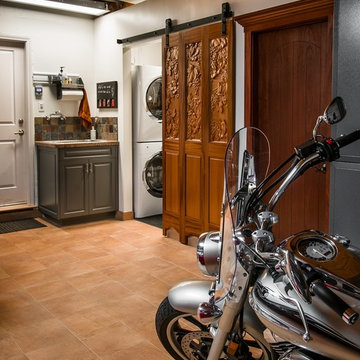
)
(296, 300)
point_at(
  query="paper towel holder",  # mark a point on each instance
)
(71, 83)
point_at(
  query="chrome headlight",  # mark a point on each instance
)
(208, 253)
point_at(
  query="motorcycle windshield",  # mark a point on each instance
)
(247, 160)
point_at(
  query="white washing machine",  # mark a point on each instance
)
(147, 137)
(147, 179)
(147, 98)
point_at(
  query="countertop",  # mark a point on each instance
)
(76, 143)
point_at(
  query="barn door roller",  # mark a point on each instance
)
(225, 14)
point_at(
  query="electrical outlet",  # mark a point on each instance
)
(41, 107)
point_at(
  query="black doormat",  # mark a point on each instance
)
(18, 225)
(155, 220)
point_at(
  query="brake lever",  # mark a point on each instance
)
(306, 335)
(295, 276)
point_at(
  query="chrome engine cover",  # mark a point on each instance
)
(330, 336)
(295, 355)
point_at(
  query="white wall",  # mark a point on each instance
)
(151, 14)
(147, 53)
(55, 40)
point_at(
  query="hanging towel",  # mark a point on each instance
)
(84, 112)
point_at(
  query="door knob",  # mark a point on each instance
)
(20, 132)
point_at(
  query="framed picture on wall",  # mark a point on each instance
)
(107, 95)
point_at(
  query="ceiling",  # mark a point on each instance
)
(90, 7)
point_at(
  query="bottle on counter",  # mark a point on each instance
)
(93, 133)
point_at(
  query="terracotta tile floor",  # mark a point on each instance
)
(87, 291)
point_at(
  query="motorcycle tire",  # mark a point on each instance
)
(182, 335)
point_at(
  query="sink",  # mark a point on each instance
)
(77, 141)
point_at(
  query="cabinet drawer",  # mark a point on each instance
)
(103, 151)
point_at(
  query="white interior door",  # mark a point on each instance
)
(14, 173)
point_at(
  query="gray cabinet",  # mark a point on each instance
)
(345, 173)
(344, 209)
(77, 182)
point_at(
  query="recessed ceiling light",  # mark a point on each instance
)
(134, 2)
(95, 8)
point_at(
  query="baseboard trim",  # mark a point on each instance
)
(12, 214)
(123, 216)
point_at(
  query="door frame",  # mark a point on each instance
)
(29, 134)
(292, 14)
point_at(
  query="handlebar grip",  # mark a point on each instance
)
(334, 302)
(348, 139)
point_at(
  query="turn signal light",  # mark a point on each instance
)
(208, 313)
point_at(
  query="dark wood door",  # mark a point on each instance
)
(290, 87)
(197, 123)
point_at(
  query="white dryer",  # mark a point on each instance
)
(147, 137)
(147, 100)
(147, 179)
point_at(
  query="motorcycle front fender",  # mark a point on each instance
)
(187, 296)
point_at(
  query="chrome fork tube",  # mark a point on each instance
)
(233, 304)
(230, 311)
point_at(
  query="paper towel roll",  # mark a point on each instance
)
(74, 95)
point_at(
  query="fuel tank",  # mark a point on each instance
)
(330, 336)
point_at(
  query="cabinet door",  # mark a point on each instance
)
(73, 188)
(47, 159)
(102, 185)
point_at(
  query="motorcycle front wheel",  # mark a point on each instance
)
(185, 338)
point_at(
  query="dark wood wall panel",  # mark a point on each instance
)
(193, 188)
(172, 106)
(193, 90)
(219, 70)
(172, 204)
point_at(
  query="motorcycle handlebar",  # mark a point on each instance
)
(348, 139)
(328, 148)
(319, 289)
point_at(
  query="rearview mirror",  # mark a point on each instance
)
(335, 111)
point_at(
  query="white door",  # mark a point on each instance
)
(14, 173)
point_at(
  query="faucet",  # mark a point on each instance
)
(57, 113)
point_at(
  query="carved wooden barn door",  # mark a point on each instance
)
(198, 121)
